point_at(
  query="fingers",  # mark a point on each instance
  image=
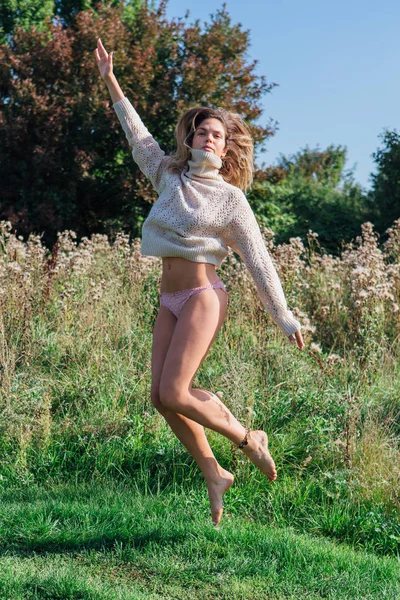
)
(101, 49)
(100, 46)
(297, 338)
(101, 54)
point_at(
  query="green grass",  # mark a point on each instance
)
(99, 499)
(112, 541)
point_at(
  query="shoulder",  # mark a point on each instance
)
(234, 196)
(238, 203)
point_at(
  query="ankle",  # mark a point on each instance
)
(215, 476)
(245, 440)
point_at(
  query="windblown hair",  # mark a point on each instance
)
(237, 165)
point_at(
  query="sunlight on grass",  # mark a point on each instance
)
(75, 343)
(89, 542)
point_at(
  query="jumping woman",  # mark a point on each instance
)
(201, 211)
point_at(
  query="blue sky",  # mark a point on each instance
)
(337, 65)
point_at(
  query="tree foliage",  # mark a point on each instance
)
(311, 191)
(23, 13)
(34, 13)
(67, 10)
(385, 196)
(316, 165)
(64, 161)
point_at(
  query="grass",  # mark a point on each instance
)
(112, 541)
(100, 500)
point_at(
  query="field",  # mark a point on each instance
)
(98, 500)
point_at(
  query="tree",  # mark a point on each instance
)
(316, 165)
(64, 162)
(23, 13)
(385, 195)
(67, 10)
(311, 191)
(34, 13)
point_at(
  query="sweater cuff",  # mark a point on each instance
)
(288, 324)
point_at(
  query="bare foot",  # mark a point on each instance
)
(216, 489)
(257, 451)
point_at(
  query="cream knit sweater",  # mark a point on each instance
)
(198, 215)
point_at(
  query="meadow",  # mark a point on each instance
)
(99, 500)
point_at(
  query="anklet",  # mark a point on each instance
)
(245, 440)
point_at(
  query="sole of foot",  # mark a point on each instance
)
(216, 490)
(257, 452)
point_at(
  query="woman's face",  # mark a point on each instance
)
(210, 136)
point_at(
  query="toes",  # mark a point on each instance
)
(259, 454)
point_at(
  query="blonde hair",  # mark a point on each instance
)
(237, 165)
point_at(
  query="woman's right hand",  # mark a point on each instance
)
(104, 60)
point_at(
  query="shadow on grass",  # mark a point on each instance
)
(100, 542)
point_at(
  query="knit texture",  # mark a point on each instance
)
(198, 215)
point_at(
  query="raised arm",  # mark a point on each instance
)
(145, 150)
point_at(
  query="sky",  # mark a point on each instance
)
(337, 66)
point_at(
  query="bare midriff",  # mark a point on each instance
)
(181, 274)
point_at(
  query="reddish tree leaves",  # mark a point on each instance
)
(64, 162)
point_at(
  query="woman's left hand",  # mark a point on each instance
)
(297, 338)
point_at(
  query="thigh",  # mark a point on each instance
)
(163, 331)
(199, 322)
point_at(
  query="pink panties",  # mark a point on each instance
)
(175, 301)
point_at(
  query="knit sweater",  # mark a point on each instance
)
(198, 215)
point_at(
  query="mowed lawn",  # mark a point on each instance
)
(109, 541)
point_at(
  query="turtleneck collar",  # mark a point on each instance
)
(204, 165)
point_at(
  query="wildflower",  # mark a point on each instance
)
(324, 311)
(315, 348)
(333, 359)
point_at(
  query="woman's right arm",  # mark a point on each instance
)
(145, 150)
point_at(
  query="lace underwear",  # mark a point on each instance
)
(175, 301)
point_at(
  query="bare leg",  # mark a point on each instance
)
(198, 323)
(191, 434)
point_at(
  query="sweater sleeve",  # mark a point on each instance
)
(244, 237)
(145, 150)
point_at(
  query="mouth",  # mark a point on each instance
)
(208, 149)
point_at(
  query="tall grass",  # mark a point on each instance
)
(75, 336)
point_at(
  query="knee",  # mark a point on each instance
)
(155, 399)
(171, 396)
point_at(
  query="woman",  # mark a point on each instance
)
(199, 213)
